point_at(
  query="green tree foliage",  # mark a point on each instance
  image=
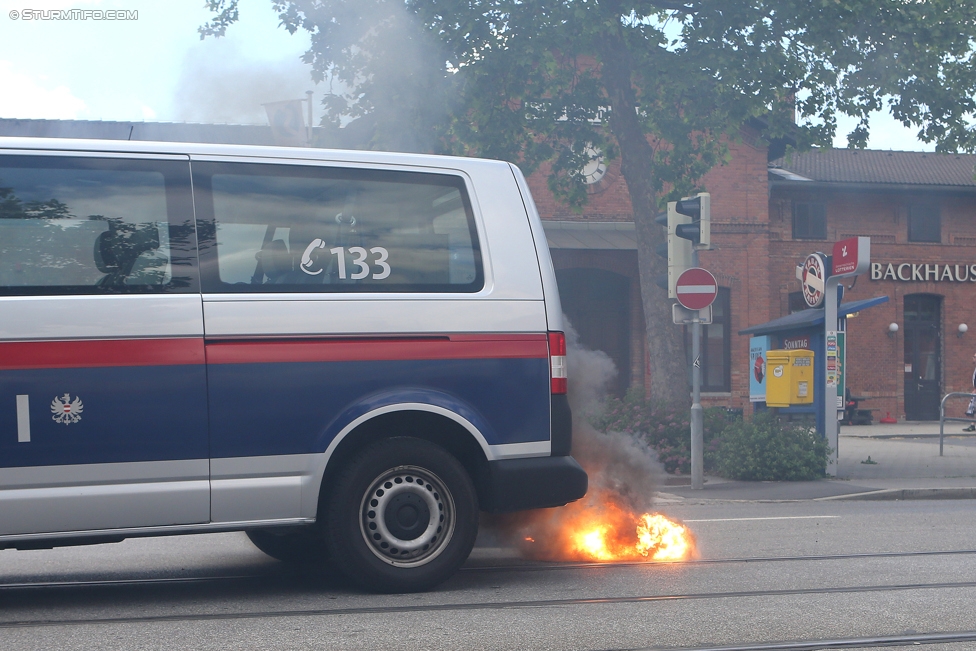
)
(665, 85)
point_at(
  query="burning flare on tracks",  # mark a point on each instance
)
(599, 529)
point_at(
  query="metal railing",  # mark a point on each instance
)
(943, 419)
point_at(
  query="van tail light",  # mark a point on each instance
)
(557, 362)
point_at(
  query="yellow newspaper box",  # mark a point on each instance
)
(789, 378)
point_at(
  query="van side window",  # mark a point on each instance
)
(288, 228)
(94, 226)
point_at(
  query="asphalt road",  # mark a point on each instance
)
(767, 572)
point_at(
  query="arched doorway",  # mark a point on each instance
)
(597, 303)
(923, 356)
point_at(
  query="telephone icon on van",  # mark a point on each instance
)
(307, 261)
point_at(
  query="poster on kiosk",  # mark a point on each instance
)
(758, 348)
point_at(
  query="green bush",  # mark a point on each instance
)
(766, 449)
(661, 427)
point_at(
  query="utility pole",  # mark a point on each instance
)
(697, 413)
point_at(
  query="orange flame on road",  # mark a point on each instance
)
(597, 528)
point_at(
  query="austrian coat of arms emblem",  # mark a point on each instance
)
(65, 410)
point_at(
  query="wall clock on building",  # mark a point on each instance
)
(594, 171)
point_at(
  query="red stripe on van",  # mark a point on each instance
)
(100, 353)
(379, 349)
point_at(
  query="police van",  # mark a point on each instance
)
(346, 355)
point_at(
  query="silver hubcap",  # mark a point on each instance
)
(407, 516)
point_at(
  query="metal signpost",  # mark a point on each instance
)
(696, 290)
(851, 257)
(688, 226)
(821, 276)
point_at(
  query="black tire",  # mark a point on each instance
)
(298, 546)
(402, 516)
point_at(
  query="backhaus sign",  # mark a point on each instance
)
(923, 273)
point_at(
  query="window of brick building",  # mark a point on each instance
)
(796, 302)
(715, 347)
(924, 223)
(809, 221)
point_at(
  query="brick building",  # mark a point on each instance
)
(920, 211)
(767, 216)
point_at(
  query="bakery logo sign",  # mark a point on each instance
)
(923, 273)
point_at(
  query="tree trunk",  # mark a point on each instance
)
(665, 340)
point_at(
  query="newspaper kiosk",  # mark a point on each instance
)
(800, 331)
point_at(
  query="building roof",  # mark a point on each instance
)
(865, 166)
(810, 317)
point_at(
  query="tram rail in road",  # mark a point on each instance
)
(524, 567)
(489, 605)
(708, 561)
(58, 587)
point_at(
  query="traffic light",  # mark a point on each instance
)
(698, 230)
(678, 251)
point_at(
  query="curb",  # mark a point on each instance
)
(889, 494)
(888, 437)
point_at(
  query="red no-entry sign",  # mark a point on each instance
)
(696, 288)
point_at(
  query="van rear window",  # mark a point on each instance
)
(291, 228)
(92, 226)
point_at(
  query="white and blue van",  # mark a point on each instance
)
(344, 354)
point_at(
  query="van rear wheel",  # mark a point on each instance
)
(298, 546)
(402, 517)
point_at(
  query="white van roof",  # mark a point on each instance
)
(243, 151)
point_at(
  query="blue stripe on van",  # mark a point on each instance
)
(294, 408)
(154, 413)
(130, 413)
